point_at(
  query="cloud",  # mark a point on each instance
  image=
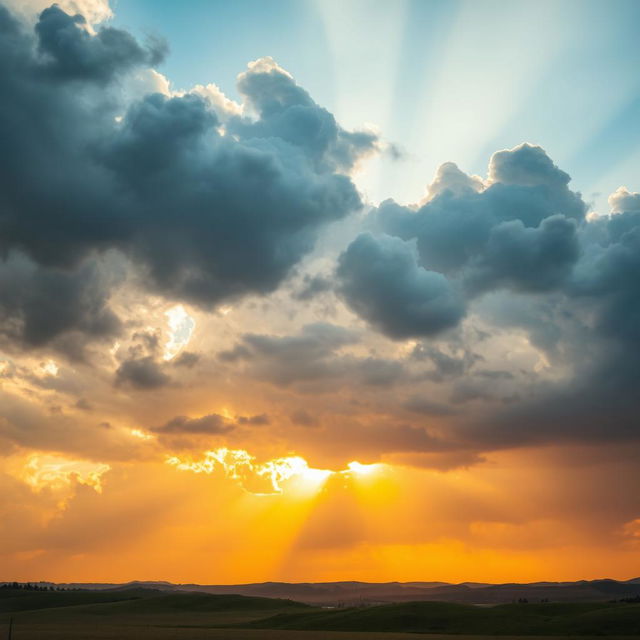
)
(94, 11)
(70, 52)
(286, 111)
(186, 359)
(211, 424)
(26, 424)
(622, 200)
(517, 231)
(311, 287)
(285, 360)
(527, 259)
(41, 304)
(114, 196)
(204, 211)
(381, 281)
(259, 419)
(303, 418)
(446, 366)
(450, 178)
(471, 233)
(141, 373)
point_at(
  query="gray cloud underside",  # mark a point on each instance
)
(574, 287)
(210, 206)
(204, 216)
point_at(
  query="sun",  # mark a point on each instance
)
(360, 469)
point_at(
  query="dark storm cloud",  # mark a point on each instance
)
(593, 328)
(205, 216)
(38, 304)
(288, 112)
(209, 206)
(526, 259)
(71, 52)
(141, 373)
(519, 233)
(381, 281)
(569, 282)
(206, 425)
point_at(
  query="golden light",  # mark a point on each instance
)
(55, 472)
(265, 478)
(180, 328)
(141, 435)
(49, 368)
(359, 469)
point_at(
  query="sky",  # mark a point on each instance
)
(312, 291)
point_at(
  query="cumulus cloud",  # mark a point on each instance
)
(204, 213)
(381, 281)
(70, 52)
(622, 200)
(517, 231)
(286, 111)
(465, 226)
(450, 178)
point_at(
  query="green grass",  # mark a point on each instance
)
(136, 608)
(446, 618)
(12, 600)
(147, 613)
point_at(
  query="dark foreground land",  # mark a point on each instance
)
(145, 613)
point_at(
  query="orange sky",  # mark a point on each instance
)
(517, 518)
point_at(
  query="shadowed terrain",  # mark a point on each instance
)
(146, 613)
(439, 617)
(358, 593)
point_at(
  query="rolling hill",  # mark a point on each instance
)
(447, 618)
(356, 593)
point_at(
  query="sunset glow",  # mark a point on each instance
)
(319, 290)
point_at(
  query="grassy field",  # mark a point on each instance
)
(144, 613)
(439, 617)
(136, 608)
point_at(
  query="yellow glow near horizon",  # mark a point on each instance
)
(363, 469)
(267, 477)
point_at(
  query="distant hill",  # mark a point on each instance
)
(353, 592)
